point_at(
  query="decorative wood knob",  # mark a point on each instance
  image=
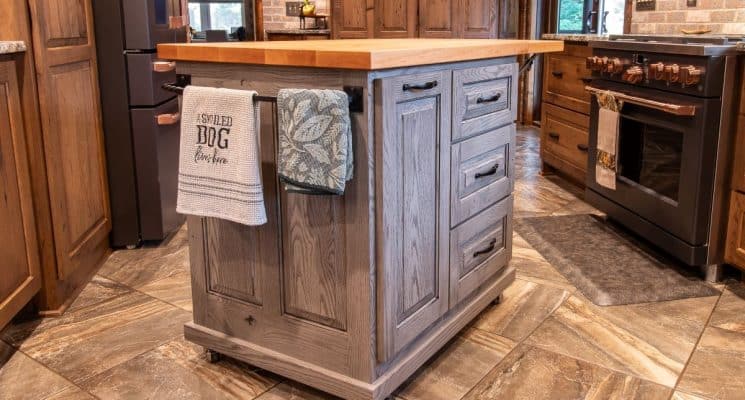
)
(672, 73)
(690, 75)
(614, 66)
(633, 74)
(657, 71)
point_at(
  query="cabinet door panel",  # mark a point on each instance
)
(438, 19)
(19, 270)
(73, 138)
(413, 165)
(735, 250)
(351, 19)
(396, 18)
(478, 19)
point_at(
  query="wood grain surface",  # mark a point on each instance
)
(362, 54)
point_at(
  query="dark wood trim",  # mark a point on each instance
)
(627, 13)
(258, 18)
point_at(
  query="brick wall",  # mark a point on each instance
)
(274, 14)
(721, 16)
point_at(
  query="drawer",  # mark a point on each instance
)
(145, 82)
(480, 248)
(484, 98)
(565, 135)
(156, 136)
(565, 79)
(481, 172)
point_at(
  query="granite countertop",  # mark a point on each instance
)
(574, 37)
(358, 54)
(7, 47)
(300, 31)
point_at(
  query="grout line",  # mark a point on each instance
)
(698, 341)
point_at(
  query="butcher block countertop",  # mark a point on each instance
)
(359, 54)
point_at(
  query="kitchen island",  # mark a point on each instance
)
(351, 294)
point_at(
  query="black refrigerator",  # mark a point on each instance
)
(140, 119)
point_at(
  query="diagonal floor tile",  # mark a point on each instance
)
(291, 390)
(523, 307)
(678, 395)
(178, 370)
(90, 340)
(539, 196)
(174, 289)
(529, 373)
(717, 368)
(71, 393)
(651, 341)
(730, 311)
(141, 266)
(531, 265)
(97, 291)
(22, 378)
(459, 367)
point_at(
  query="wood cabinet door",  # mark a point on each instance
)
(412, 163)
(351, 19)
(65, 55)
(478, 19)
(735, 247)
(738, 173)
(19, 269)
(439, 19)
(396, 18)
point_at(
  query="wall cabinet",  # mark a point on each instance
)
(418, 18)
(20, 274)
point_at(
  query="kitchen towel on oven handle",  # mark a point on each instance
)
(606, 165)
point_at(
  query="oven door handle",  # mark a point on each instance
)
(686, 110)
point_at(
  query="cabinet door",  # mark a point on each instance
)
(439, 19)
(396, 18)
(478, 19)
(19, 270)
(412, 163)
(65, 56)
(351, 19)
(738, 173)
(735, 251)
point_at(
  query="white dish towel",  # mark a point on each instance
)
(219, 160)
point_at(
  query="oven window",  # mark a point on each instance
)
(650, 156)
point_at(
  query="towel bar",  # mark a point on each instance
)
(354, 93)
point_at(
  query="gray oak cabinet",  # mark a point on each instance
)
(351, 294)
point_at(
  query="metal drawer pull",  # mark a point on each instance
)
(582, 147)
(487, 250)
(168, 119)
(558, 74)
(553, 135)
(491, 171)
(489, 99)
(685, 110)
(422, 86)
(164, 66)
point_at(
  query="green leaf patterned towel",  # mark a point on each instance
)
(315, 140)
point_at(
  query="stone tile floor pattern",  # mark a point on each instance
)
(122, 338)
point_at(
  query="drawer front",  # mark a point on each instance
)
(156, 157)
(565, 135)
(484, 98)
(481, 172)
(480, 248)
(145, 82)
(565, 80)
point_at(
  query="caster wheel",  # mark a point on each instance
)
(212, 356)
(497, 300)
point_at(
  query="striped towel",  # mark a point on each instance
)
(219, 162)
(606, 166)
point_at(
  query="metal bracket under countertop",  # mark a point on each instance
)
(354, 93)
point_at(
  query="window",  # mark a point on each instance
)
(590, 16)
(216, 15)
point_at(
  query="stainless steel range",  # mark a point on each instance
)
(676, 132)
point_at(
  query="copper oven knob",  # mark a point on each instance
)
(590, 62)
(657, 71)
(633, 74)
(613, 66)
(672, 73)
(690, 75)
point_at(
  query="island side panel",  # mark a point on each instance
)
(313, 258)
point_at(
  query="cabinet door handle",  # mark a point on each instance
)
(553, 135)
(489, 99)
(557, 74)
(164, 66)
(168, 119)
(487, 250)
(490, 171)
(421, 86)
(582, 147)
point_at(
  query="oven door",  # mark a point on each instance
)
(149, 22)
(666, 159)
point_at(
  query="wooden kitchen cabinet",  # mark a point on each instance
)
(565, 118)
(418, 18)
(20, 273)
(735, 245)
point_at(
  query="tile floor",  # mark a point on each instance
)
(122, 338)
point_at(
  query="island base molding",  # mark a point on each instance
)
(342, 385)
